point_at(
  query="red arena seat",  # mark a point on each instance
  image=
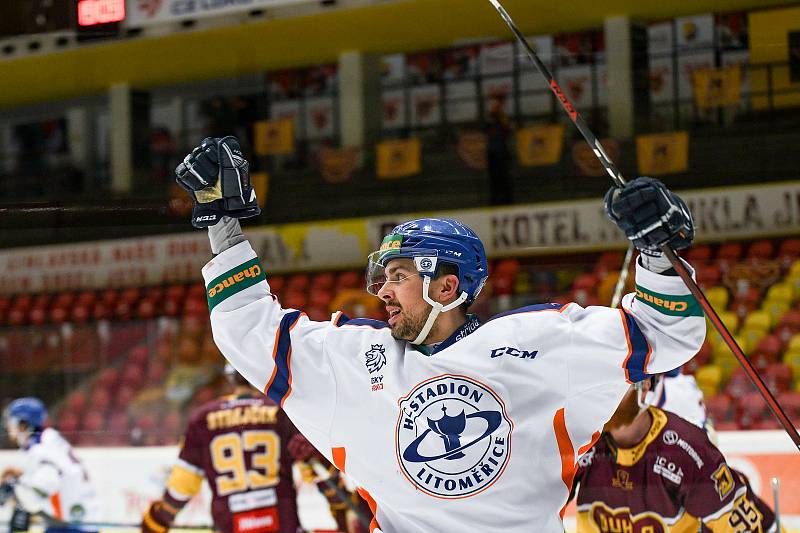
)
(699, 254)
(760, 250)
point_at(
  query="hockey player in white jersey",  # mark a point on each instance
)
(678, 393)
(446, 425)
(51, 480)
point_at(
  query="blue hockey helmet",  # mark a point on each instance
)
(430, 242)
(29, 410)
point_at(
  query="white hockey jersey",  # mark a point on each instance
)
(682, 396)
(482, 435)
(55, 482)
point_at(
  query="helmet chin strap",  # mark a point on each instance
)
(436, 308)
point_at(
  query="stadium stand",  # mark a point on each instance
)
(158, 357)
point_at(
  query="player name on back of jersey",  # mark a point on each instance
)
(242, 415)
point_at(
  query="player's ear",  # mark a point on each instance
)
(448, 287)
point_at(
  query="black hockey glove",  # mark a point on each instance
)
(650, 215)
(218, 178)
(20, 520)
(7, 490)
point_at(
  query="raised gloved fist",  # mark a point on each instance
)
(217, 176)
(650, 215)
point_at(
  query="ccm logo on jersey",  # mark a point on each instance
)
(513, 352)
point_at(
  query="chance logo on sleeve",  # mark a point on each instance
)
(669, 304)
(453, 437)
(235, 280)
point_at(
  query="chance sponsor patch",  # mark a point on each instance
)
(453, 437)
(235, 280)
(670, 304)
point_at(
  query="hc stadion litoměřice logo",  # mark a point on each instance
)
(453, 436)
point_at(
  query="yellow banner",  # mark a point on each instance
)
(260, 183)
(274, 137)
(717, 87)
(540, 145)
(662, 153)
(396, 159)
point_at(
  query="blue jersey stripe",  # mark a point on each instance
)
(279, 388)
(638, 357)
(377, 324)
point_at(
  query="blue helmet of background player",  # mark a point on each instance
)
(432, 242)
(23, 417)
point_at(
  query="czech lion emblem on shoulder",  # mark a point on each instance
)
(375, 358)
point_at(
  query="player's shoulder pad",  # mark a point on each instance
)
(536, 308)
(692, 441)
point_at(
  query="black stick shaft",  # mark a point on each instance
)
(680, 268)
(577, 119)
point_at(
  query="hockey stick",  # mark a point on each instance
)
(677, 264)
(623, 277)
(776, 487)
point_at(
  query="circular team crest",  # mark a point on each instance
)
(453, 436)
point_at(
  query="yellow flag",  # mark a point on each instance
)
(400, 158)
(274, 137)
(662, 153)
(260, 183)
(540, 145)
(717, 87)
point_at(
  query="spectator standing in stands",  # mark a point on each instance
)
(498, 155)
(52, 481)
(241, 444)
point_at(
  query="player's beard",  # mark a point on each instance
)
(408, 325)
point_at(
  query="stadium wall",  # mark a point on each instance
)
(273, 44)
(536, 229)
(130, 478)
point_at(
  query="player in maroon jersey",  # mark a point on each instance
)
(654, 471)
(240, 444)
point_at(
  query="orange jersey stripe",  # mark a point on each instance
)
(373, 525)
(630, 346)
(339, 458)
(55, 500)
(567, 452)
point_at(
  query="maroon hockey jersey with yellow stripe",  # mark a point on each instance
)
(675, 481)
(239, 444)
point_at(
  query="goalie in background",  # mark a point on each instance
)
(51, 481)
(653, 470)
(240, 443)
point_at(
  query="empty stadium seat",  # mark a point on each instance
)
(789, 251)
(323, 280)
(298, 282)
(778, 377)
(276, 284)
(720, 408)
(349, 279)
(718, 297)
(729, 253)
(698, 255)
(708, 275)
(708, 379)
(757, 320)
(760, 250)
(782, 292)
